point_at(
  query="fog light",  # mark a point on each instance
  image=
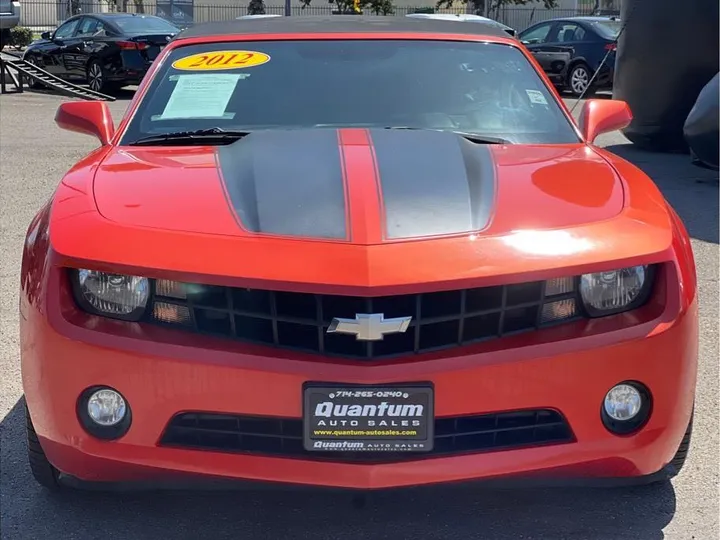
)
(626, 407)
(104, 412)
(106, 407)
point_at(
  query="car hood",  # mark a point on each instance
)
(356, 186)
(35, 44)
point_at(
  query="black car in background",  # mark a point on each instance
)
(105, 50)
(570, 50)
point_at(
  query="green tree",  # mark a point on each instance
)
(378, 7)
(599, 5)
(256, 7)
(494, 6)
(74, 7)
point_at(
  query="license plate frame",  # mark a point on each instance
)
(362, 430)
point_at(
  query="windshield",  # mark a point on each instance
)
(138, 24)
(484, 89)
(608, 29)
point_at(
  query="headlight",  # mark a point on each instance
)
(605, 293)
(112, 295)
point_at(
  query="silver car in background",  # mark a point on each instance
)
(466, 17)
(258, 16)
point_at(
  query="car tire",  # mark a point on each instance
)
(34, 84)
(42, 470)
(96, 79)
(678, 461)
(579, 73)
(4, 38)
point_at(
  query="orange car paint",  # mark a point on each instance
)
(560, 211)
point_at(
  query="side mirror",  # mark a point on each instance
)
(88, 117)
(600, 116)
(45, 35)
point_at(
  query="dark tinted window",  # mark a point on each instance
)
(144, 24)
(608, 29)
(538, 34)
(88, 27)
(101, 29)
(570, 32)
(67, 30)
(488, 89)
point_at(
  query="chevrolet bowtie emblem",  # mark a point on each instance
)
(369, 326)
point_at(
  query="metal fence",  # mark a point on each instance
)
(46, 15)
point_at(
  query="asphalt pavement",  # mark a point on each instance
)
(34, 155)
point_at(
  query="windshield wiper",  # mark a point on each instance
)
(474, 137)
(214, 135)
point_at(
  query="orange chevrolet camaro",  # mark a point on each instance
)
(354, 252)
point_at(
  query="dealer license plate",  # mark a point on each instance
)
(368, 419)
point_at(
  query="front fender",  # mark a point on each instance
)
(34, 261)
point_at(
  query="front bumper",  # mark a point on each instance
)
(178, 372)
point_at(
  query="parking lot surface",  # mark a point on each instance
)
(35, 154)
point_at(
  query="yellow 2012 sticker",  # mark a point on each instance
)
(218, 60)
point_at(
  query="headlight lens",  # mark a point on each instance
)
(112, 295)
(604, 293)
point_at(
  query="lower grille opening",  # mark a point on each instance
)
(282, 437)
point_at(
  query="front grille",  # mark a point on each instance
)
(300, 321)
(282, 437)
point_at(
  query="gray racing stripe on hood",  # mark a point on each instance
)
(287, 183)
(433, 183)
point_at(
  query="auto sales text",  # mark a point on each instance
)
(328, 409)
